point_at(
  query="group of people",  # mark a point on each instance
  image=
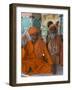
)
(39, 57)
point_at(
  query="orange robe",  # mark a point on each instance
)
(36, 58)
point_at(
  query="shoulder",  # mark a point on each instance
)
(41, 41)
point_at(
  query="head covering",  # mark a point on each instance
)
(33, 30)
(53, 27)
(49, 23)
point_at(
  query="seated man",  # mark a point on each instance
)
(36, 59)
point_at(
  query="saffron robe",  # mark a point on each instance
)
(36, 58)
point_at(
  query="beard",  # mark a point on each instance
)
(52, 36)
(34, 39)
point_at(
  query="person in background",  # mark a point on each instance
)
(36, 59)
(55, 47)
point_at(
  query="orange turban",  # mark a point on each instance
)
(33, 30)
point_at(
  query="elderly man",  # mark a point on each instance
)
(36, 59)
(55, 47)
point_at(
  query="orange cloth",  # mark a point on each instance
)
(33, 60)
(22, 52)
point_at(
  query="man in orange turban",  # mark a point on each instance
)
(36, 59)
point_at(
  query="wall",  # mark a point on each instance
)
(4, 45)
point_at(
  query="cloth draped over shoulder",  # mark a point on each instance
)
(36, 59)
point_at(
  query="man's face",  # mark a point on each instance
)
(34, 36)
(52, 34)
